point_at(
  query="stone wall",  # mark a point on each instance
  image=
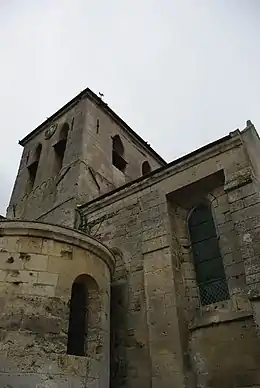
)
(98, 146)
(38, 265)
(167, 338)
(87, 170)
(50, 188)
(226, 354)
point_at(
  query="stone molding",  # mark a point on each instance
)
(158, 175)
(239, 179)
(219, 317)
(58, 233)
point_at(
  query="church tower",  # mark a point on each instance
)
(81, 152)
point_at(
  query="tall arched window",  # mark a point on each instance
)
(33, 167)
(146, 168)
(118, 154)
(60, 147)
(208, 263)
(85, 316)
(78, 318)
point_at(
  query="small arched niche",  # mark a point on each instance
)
(146, 168)
(60, 147)
(118, 153)
(33, 166)
(84, 318)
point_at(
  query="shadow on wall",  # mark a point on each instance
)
(84, 320)
(118, 324)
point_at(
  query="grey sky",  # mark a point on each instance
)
(181, 73)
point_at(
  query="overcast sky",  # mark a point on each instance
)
(181, 73)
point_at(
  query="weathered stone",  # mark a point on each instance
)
(163, 331)
(34, 322)
(47, 278)
(36, 262)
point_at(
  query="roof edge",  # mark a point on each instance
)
(55, 115)
(160, 169)
(92, 96)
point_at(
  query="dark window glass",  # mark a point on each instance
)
(208, 263)
(77, 320)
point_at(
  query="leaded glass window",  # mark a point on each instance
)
(208, 262)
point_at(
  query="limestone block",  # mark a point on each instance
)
(166, 371)
(155, 244)
(39, 290)
(160, 281)
(235, 269)
(153, 233)
(64, 285)
(62, 249)
(252, 265)
(242, 192)
(11, 260)
(47, 246)
(15, 276)
(220, 218)
(237, 205)
(225, 228)
(251, 200)
(231, 258)
(41, 324)
(157, 260)
(30, 244)
(188, 270)
(57, 265)
(47, 278)
(221, 200)
(245, 213)
(9, 244)
(36, 262)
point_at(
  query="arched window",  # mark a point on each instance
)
(60, 147)
(78, 318)
(85, 316)
(146, 168)
(208, 263)
(118, 154)
(33, 167)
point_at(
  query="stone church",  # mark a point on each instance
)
(120, 270)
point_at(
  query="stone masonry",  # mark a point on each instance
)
(38, 265)
(148, 324)
(87, 170)
(168, 338)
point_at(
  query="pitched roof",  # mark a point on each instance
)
(92, 96)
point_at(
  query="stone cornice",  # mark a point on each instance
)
(58, 233)
(170, 170)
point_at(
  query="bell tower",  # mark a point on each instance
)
(82, 151)
(47, 184)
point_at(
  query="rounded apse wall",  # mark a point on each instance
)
(54, 306)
